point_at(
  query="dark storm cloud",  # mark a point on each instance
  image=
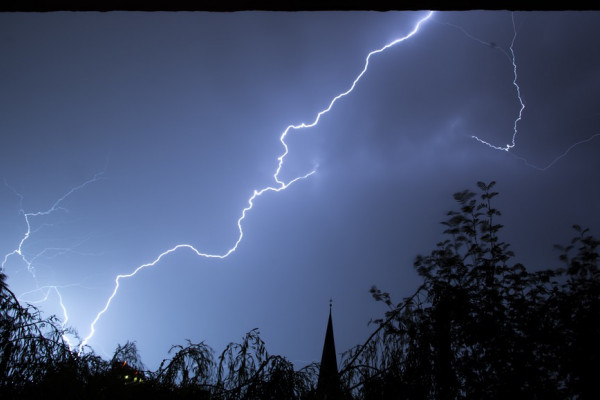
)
(188, 109)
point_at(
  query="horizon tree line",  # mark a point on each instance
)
(478, 326)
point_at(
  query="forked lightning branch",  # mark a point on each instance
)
(277, 186)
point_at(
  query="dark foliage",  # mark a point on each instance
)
(36, 362)
(478, 327)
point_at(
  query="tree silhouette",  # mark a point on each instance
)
(479, 327)
(33, 352)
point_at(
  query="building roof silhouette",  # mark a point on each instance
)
(328, 385)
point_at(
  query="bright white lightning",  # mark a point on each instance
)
(256, 194)
(281, 184)
(45, 290)
(339, 96)
(512, 59)
(508, 146)
(46, 293)
(29, 262)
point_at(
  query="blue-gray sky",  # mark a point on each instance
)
(182, 114)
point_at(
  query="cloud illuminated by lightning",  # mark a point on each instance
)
(281, 185)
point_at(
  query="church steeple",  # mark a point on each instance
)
(328, 385)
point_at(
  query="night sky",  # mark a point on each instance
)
(133, 132)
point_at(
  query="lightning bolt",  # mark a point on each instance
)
(18, 251)
(45, 290)
(560, 156)
(281, 185)
(29, 262)
(512, 59)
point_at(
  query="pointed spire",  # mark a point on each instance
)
(328, 385)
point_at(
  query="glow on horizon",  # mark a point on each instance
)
(281, 184)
